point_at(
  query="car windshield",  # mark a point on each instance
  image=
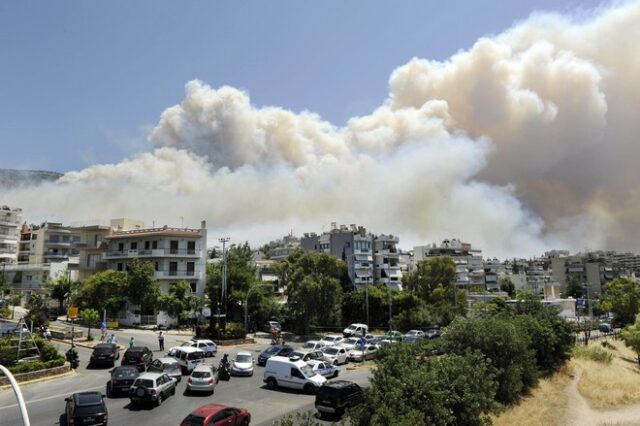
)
(351, 327)
(148, 383)
(88, 410)
(330, 338)
(351, 341)
(171, 366)
(189, 344)
(307, 370)
(331, 351)
(126, 373)
(309, 345)
(272, 350)
(103, 349)
(192, 420)
(243, 358)
(133, 354)
(195, 355)
(200, 374)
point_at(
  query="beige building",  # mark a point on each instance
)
(9, 234)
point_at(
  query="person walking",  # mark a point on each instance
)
(112, 339)
(132, 342)
(161, 341)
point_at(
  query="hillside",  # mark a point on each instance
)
(10, 178)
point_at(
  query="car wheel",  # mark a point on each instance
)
(159, 400)
(63, 420)
(245, 422)
(271, 383)
(109, 390)
(173, 390)
(310, 389)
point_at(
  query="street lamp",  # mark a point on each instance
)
(224, 241)
(16, 390)
(246, 304)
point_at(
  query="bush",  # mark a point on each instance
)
(233, 330)
(593, 353)
(26, 367)
(5, 312)
(48, 352)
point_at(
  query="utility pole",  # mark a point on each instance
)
(223, 297)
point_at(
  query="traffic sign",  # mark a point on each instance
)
(73, 312)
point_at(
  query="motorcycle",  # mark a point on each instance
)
(223, 371)
(73, 358)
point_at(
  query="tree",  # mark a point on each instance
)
(212, 289)
(631, 336)
(104, 290)
(507, 286)
(60, 289)
(574, 288)
(37, 310)
(142, 287)
(622, 297)
(354, 306)
(179, 299)
(446, 390)
(90, 317)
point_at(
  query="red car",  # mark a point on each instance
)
(217, 415)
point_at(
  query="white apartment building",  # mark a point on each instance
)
(52, 242)
(387, 260)
(471, 272)
(10, 219)
(177, 254)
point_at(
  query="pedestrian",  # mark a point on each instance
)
(161, 341)
(132, 342)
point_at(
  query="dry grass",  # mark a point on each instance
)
(613, 385)
(546, 405)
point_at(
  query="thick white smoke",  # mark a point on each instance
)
(522, 143)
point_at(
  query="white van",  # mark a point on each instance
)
(356, 330)
(187, 357)
(291, 373)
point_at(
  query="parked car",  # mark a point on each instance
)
(369, 337)
(166, 365)
(417, 333)
(324, 368)
(274, 350)
(356, 330)
(411, 339)
(207, 346)
(335, 355)
(314, 344)
(337, 395)
(85, 408)
(121, 379)
(104, 353)
(332, 339)
(242, 364)
(282, 371)
(188, 357)
(432, 333)
(140, 356)
(306, 355)
(203, 379)
(363, 353)
(379, 342)
(217, 415)
(152, 387)
(394, 335)
(272, 325)
(351, 342)
(605, 327)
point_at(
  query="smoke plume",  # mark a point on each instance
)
(524, 142)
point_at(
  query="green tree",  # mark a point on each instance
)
(60, 289)
(408, 310)
(90, 317)
(631, 336)
(37, 310)
(104, 290)
(622, 297)
(447, 390)
(142, 287)
(574, 288)
(213, 290)
(507, 286)
(354, 306)
(178, 301)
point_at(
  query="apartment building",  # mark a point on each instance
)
(471, 271)
(281, 249)
(91, 246)
(177, 254)
(10, 219)
(52, 242)
(28, 277)
(370, 259)
(593, 269)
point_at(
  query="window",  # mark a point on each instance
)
(119, 267)
(157, 266)
(134, 246)
(173, 268)
(191, 247)
(191, 268)
(193, 287)
(147, 244)
(296, 373)
(173, 246)
(120, 246)
(154, 245)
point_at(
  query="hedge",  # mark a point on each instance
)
(29, 366)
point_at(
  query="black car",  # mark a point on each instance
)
(140, 356)
(121, 379)
(336, 396)
(85, 408)
(275, 350)
(104, 353)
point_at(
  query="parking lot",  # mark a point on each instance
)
(45, 400)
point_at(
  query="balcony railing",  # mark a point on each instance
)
(171, 273)
(154, 253)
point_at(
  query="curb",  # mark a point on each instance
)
(69, 373)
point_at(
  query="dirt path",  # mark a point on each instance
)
(579, 413)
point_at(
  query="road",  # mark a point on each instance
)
(45, 400)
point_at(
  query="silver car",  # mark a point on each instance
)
(168, 366)
(152, 387)
(203, 379)
(242, 364)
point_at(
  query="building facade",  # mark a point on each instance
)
(10, 219)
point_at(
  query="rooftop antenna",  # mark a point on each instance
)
(181, 221)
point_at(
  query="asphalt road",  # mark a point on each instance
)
(45, 400)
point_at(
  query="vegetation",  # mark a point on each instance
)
(592, 353)
(37, 311)
(622, 297)
(90, 317)
(631, 336)
(49, 357)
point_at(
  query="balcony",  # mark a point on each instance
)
(57, 243)
(153, 253)
(171, 274)
(10, 250)
(9, 223)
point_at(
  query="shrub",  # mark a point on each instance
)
(48, 352)
(26, 367)
(592, 353)
(233, 330)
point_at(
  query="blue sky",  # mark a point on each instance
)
(83, 82)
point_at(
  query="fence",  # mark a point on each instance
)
(598, 335)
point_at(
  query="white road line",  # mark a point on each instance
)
(51, 397)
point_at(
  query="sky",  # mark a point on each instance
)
(510, 125)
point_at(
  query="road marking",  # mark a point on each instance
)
(50, 397)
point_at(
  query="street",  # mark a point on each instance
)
(45, 400)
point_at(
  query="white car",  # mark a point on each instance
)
(324, 368)
(332, 339)
(350, 342)
(314, 344)
(202, 379)
(415, 333)
(363, 353)
(242, 364)
(207, 346)
(335, 355)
